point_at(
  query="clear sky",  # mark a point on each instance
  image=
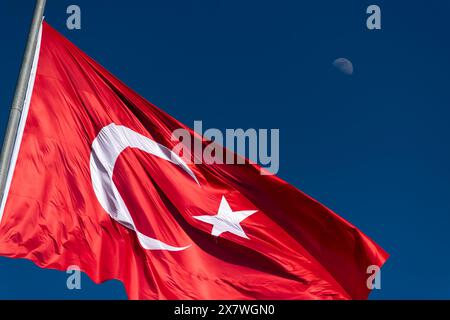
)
(374, 146)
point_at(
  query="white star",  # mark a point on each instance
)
(227, 220)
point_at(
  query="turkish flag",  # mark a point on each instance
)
(95, 183)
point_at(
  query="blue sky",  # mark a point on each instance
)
(374, 146)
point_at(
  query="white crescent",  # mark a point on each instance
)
(111, 141)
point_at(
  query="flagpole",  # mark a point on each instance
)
(20, 94)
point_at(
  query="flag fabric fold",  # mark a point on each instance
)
(95, 183)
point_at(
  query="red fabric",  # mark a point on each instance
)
(297, 248)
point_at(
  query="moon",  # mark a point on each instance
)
(344, 65)
(106, 148)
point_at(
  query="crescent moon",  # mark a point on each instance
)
(111, 141)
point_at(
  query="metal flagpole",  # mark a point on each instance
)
(20, 94)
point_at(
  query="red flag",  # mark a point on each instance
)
(95, 183)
